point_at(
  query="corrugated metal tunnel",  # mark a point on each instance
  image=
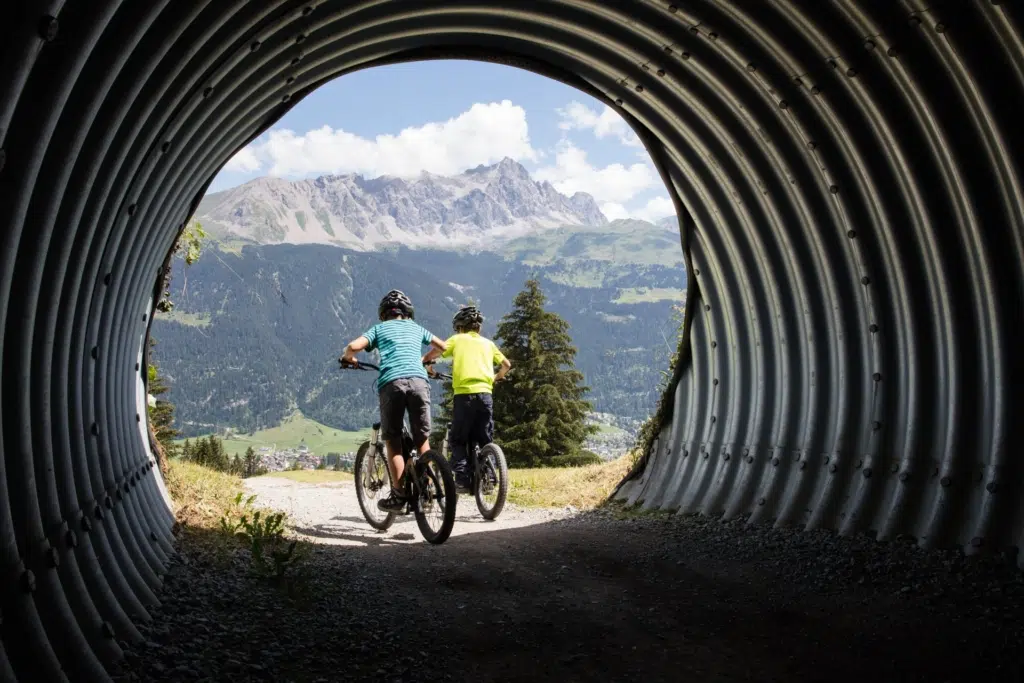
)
(848, 176)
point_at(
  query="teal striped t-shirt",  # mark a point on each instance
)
(400, 343)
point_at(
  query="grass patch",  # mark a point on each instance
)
(647, 295)
(293, 431)
(581, 487)
(200, 495)
(311, 476)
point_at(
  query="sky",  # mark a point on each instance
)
(445, 117)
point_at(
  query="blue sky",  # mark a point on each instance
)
(446, 116)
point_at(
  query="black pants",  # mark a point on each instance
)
(472, 423)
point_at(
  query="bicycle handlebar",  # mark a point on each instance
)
(359, 366)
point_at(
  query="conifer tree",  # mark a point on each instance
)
(540, 413)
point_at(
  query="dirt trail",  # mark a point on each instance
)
(556, 596)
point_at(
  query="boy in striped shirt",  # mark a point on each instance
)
(402, 383)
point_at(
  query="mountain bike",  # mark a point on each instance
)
(489, 476)
(429, 483)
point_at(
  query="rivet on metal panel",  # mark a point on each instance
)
(851, 73)
(827, 459)
(713, 418)
(834, 189)
(796, 457)
(52, 558)
(306, 11)
(714, 344)
(95, 353)
(86, 523)
(750, 459)
(726, 457)
(945, 481)
(751, 68)
(290, 80)
(694, 29)
(144, 317)
(833, 468)
(703, 448)
(48, 28)
(95, 429)
(164, 148)
(977, 477)
(783, 104)
(107, 629)
(867, 472)
(940, 28)
(639, 88)
(208, 91)
(299, 38)
(285, 97)
(815, 90)
(673, 9)
(877, 377)
(254, 45)
(860, 462)
(138, 418)
(296, 60)
(803, 465)
(131, 209)
(894, 468)
(762, 501)
(892, 52)
(869, 44)
(915, 21)
(904, 476)
(152, 535)
(707, 456)
(715, 382)
(812, 145)
(775, 462)
(992, 487)
(873, 328)
(713, 36)
(865, 280)
(876, 426)
(28, 581)
(3, 158)
(668, 49)
(977, 541)
(106, 279)
(852, 234)
(685, 56)
(71, 538)
(746, 451)
(696, 271)
(661, 72)
(136, 366)
(618, 102)
(645, 67)
(686, 453)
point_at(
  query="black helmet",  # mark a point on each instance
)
(466, 317)
(395, 301)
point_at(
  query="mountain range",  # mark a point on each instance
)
(261, 317)
(481, 204)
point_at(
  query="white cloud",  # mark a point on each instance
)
(614, 183)
(577, 116)
(655, 209)
(484, 134)
(614, 211)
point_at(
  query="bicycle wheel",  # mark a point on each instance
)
(435, 509)
(491, 486)
(372, 481)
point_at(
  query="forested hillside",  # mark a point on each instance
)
(256, 331)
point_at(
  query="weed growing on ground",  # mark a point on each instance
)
(273, 556)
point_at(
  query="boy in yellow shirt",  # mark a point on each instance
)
(473, 378)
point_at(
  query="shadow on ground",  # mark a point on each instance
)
(593, 598)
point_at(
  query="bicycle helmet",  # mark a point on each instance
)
(466, 317)
(395, 301)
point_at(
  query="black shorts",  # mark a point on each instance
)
(398, 396)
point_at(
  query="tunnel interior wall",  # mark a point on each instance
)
(848, 180)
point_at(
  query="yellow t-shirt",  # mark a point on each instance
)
(474, 361)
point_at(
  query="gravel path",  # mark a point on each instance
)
(561, 596)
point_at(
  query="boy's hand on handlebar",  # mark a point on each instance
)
(348, 362)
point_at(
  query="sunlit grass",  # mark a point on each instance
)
(200, 495)
(581, 487)
(294, 430)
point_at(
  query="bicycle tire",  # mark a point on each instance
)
(369, 509)
(451, 499)
(502, 473)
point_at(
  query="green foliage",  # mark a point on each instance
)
(539, 410)
(272, 556)
(580, 459)
(649, 429)
(161, 415)
(443, 417)
(187, 247)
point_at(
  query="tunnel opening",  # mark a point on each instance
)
(854, 193)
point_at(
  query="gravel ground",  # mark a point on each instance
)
(566, 596)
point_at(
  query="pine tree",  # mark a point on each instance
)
(540, 412)
(161, 415)
(444, 415)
